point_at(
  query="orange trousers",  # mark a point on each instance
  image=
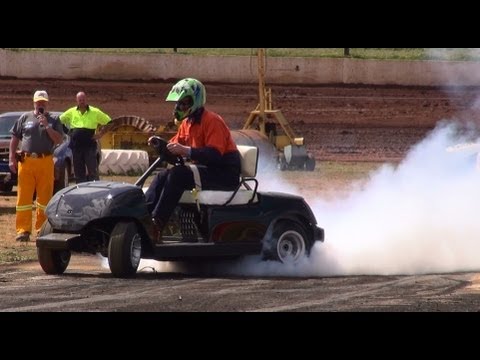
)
(34, 175)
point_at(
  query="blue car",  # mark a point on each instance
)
(62, 156)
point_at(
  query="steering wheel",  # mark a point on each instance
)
(161, 145)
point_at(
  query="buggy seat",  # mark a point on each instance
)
(243, 194)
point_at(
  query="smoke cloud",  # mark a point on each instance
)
(418, 217)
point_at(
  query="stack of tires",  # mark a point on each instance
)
(123, 162)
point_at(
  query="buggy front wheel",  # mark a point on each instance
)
(53, 262)
(124, 249)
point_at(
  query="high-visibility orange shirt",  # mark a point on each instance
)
(205, 131)
(211, 131)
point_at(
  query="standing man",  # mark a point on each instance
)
(83, 120)
(39, 133)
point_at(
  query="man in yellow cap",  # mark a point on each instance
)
(38, 132)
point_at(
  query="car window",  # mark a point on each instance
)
(6, 123)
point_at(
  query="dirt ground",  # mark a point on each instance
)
(89, 286)
(338, 123)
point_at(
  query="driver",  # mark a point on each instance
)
(204, 138)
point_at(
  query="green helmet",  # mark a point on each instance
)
(187, 88)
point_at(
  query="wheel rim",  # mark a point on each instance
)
(136, 250)
(291, 247)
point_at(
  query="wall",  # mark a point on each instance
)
(236, 69)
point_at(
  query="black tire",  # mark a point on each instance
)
(124, 249)
(53, 262)
(64, 179)
(282, 163)
(289, 243)
(310, 164)
(6, 188)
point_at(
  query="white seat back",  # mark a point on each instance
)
(243, 195)
(249, 160)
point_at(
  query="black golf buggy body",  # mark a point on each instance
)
(112, 219)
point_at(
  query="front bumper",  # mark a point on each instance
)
(60, 241)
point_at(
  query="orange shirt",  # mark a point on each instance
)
(211, 131)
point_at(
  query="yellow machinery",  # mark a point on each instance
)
(132, 133)
(281, 148)
(292, 152)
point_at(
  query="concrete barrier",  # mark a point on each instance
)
(236, 69)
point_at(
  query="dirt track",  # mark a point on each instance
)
(86, 286)
(339, 123)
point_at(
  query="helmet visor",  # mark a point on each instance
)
(173, 96)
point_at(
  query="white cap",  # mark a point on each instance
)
(40, 95)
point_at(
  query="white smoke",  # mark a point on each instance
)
(418, 217)
(453, 53)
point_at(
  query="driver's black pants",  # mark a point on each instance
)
(168, 186)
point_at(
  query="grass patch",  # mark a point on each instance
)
(447, 54)
(18, 254)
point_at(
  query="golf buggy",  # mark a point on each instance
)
(112, 219)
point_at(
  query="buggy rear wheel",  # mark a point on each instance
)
(289, 243)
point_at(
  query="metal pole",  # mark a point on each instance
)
(147, 173)
(261, 82)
